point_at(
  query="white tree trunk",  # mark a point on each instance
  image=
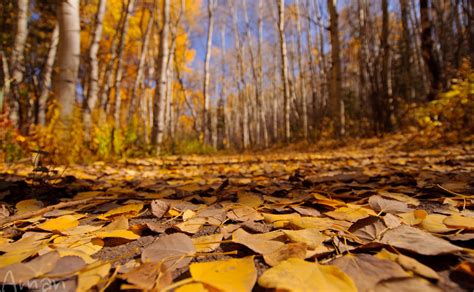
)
(206, 121)
(47, 72)
(68, 57)
(93, 92)
(159, 100)
(284, 68)
(17, 58)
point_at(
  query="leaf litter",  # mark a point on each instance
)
(351, 220)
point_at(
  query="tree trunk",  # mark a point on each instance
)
(304, 101)
(134, 99)
(263, 120)
(206, 117)
(427, 47)
(115, 108)
(93, 90)
(17, 61)
(386, 94)
(47, 73)
(68, 57)
(335, 91)
(161, 78)
(284, 68)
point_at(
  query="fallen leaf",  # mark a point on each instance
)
(256, 243)
(409, 264)
(207, 243)
(290, 250)
(419, 241)
(368, 229)
(226, 275)
(379, 204)
(434, 223)
(146, 276)
(414, 217)
(125, 234)
(457, 221)
(92, 275)
(173, 250)
(312, 237)
(243, 214)
(26, 206)
(406, 284)
(367, 270)
(192, 225)
(192, 287)
(128, 211)
(159, 208)
(249, 200)
(59, 224)
(299, 275)
(307, 211)
(350, 213)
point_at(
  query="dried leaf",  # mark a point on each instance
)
(59, 224)
(406, 284)
(457, 221)
(287, 251)
(145, 276)
(173, 250)
(419, 241)
(128, 211)
(26, 206)
(299, 275)
(243, 214)
(207, 243)
(312, 237)
(125, 234)
(256, 243)
(367, 270)
(159, 208)
(350, 213)
(226, 275)
(92, 275)
(409, 264)
(379, 204)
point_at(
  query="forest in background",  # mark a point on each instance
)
(98, 79)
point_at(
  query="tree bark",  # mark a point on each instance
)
(427, 47)
(93, 89)
(17, 65)
(68, 57)
(304, 101)
(47, 73)
(206, 117)
(335, 91)
(284, 68)
(161, 71)
(386, 94)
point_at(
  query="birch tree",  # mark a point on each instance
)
(68, 57)
(284, 69)
(161, 81)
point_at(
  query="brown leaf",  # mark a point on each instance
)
(173, 250)
(379, 204)
(406, 284)
(146, 276)
(243, 214)
(419, 241)
(290, 250)
(368, 229)
(159, 208)
(257, 243)
(366, 270)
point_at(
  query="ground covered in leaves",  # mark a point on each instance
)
(374, 219)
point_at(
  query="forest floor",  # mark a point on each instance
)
(365, 217)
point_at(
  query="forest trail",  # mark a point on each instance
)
(184, 222)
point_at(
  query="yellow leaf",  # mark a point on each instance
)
(311, 237)
(434, 223)
(413, 218)
(61, 223)
(208, 243)
(226, 275)
(457, 221)
(26, 206)
(298, 275)
(249, 200)
(75, 252)
(14, 257)
(191, 226)
(129, 211)
(192, 287)
(351, 213)
(126, 234)
(87, 195)
(92, 276)
(256, 242)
